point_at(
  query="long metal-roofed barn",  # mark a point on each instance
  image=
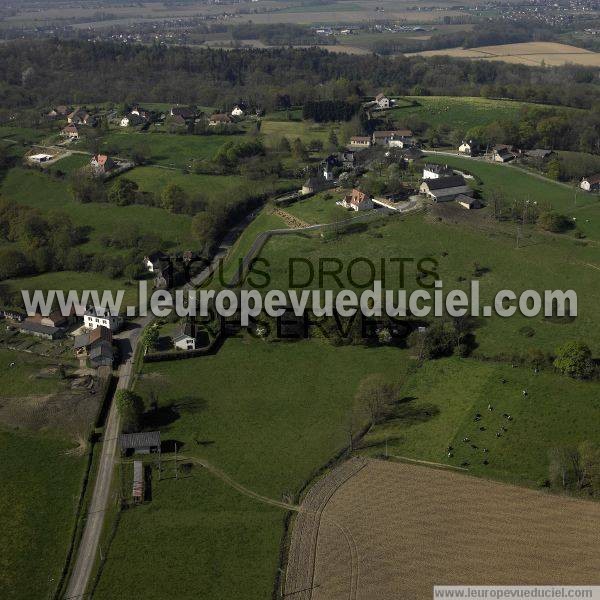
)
(141, 443)
(138, 481)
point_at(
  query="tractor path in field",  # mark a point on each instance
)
(238, 486)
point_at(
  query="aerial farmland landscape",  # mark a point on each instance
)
(299, 299)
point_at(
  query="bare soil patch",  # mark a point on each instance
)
(71, 410)
(395, 530)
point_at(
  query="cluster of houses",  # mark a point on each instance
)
(76, 121)
(185, 115)
(439, 184)
(398, 138)
(93, 339)
(504, 153)
(79, 118)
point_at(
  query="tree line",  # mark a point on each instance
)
(39, 73)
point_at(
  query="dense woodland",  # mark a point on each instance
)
(46, 72)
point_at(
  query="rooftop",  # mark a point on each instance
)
(144, 439)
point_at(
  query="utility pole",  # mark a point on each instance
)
(176, 460)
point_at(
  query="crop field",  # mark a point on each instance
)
(446, 528)
(441, 399)
(265, 431)
(323, 16)
(526, 53)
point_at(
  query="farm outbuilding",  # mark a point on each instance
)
(141, 443)
(468, 202)
(138, 481)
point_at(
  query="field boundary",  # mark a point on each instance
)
(300, 570)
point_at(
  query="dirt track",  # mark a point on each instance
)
(394, 530)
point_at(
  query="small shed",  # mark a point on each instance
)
(138, 481)
(144, 442)
(468, 202)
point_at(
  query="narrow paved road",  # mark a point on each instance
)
(88, 546)
(87, 551)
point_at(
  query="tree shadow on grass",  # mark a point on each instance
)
(405, 412)
(161, 417)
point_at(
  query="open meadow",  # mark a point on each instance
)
(456, 112)
(40, 191)
(441, 398)
(265, 430)
(446, 528)
(457, 246)
(167, 149)
(515, 184)
(41, 420)
(275, 126)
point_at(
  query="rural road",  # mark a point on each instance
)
(128, 340)
(88, 546)
(87, 550)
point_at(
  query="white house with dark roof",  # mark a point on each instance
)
(469, 147)
(382, 101)
(433, 171)
(590, 184)
(444, 189)
(387, 138)
(357, 201)
(101, 317)
(503, 154)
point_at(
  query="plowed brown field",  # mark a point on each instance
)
(395, 530)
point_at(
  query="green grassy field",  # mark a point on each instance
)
(263, 222)
(457, 113)
(266, 414)
(514, 184)
(541, 262)
(557, 412)
(71, 280)
(274, 130)
(40, 484)
(321, 208)
(22, 134)
(40, 191)
(71, 163)
(172, 150)
(155, 179)
(24, 378)
(199, 534)
(40, 488)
